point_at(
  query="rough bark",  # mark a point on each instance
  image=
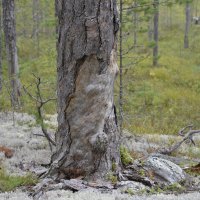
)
(87, 140)
(187, 24)
(11, 48)
(121, 70)
(1, 73)
(155, 32)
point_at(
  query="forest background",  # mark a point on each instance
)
(156, 99)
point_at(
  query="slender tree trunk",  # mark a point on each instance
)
(196, 8)
(155, 32)
(87, 140)
(135, 23)
(187, 24)
(11, 48)
(150, 30)
(36, 19)
(1, 72)
(171, 12)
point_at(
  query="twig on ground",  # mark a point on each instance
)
(188, 136)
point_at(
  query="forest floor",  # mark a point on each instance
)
(31, 151)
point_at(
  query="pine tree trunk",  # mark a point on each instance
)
(87, 140)
(1, 72)
(11, 48)
(36, 22)
(150, 30)
(135, 23)
(187, 25)
(155, 32)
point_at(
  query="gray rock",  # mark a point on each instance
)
(164, 170)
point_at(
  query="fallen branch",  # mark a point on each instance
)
(187, 137)
(134, 176)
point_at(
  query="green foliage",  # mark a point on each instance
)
(10, 182)
(176, 187)
(112, 178)
(125, 156)
(114, 166)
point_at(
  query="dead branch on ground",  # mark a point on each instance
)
(187, 137)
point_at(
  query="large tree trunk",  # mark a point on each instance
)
(1, 73)
(187, 24)
(155, 32)
(11, 48)
(87, 140)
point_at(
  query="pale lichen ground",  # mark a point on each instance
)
(32, 151)
(95, 195)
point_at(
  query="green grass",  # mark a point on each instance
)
(10, 182)
(165, 98)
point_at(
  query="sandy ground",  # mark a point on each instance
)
(31, 151)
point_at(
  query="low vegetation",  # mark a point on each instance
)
(126, 157)
(11, 182)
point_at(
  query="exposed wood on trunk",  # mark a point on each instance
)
(11, 48)
(87, 140)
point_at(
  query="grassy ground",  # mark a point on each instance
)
(159, 99)
(11, 182)
(165, 98)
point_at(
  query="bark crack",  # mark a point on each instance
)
(99, 24)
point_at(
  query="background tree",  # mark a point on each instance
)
(135, 22)
(155, 32)
(11, 48)
(36, 23)
(187, 23)
(87, 140)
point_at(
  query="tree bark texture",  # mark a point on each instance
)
(1, 71)
(11, 48)
(121, 70)
(87, 140)
(187, 24)
(155, 32)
